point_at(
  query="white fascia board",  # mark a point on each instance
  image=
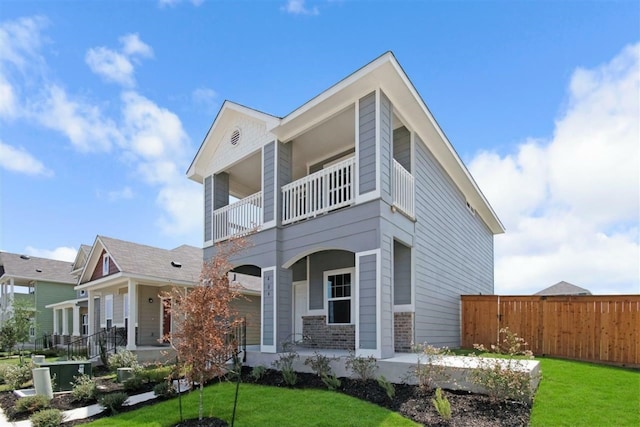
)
(116, 279)
(66, 304)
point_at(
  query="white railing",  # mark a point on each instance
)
(322, 191)
(238, 218)
(404, 195)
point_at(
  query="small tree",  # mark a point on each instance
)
(204, 321)
(16, 329)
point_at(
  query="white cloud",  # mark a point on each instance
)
(172, 3)
(298, 7)
(133, 46)
(84, 124)
(19, 160)
(204, 96)
(125, 193)
(62, 253)
(116, 66)
(8, 102)
(20, 42)
(111, 65)
(571, 204)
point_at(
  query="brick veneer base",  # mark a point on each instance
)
(317, 334)
(403, 331)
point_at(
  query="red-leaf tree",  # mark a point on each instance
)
(204, 321)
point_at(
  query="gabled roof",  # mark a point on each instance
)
(182, 264)
(81, 257)
(34, 268)
(386, 73)
(564, 288)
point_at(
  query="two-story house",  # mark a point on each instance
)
(37, 281)
(368, 226)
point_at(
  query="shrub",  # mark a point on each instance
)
(331, 381)
(290, 377)
(442, 405)
(123, 359)
(84, 389)
(164, 390)
(387, 386)
(133, 384)
(3, 371)
(113, 402)
(363, 368)
(285, 364)
(258, 372)
(47, 418)
(156, 374)
(505, 378)
(32, 403)
(429, 371)
(17, 375)
(320, 364)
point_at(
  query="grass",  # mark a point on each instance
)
(264, 406)
(586, 394)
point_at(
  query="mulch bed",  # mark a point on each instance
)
(468, 410)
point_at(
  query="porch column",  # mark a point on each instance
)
(65, 322)
(76, 321)
(90, 313)
(55, 322)
(132, 294)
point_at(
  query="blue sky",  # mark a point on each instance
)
(104, 104)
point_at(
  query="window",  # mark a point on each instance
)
(85, 324)
(339, 296)
(108, 310)
(105, 264)
(32, 327)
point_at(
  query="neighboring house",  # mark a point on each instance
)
(123, 283)
(39, 281)
(563, 288)
(71, 316)
(368, 226)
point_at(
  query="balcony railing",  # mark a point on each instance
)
(322, 191)
(404, 195)
(238, 218)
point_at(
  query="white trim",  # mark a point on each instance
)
(356, 179)
(378, 104)
(105, 264)
(403, 308)
(377, 352)
(325, 274)
(269, 348)
(304, 283)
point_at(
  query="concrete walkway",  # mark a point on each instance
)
(80, 413)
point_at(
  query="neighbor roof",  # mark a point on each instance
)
(564, 288)
(142, 260)
(35, 268)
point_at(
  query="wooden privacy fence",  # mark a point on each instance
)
(598, 328)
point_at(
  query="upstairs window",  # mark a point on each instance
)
(108, 310)
(339, 296)
(105, 264)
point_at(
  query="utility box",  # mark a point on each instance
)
(63, 373)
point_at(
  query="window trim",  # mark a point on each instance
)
(105, 264)
(108, 316)
(351, 298)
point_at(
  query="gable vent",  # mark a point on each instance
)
(176, 264)
(235, 137)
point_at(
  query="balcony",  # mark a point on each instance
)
(238, 218)
(320, 192)
(403, 190)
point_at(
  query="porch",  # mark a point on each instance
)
(397, 369)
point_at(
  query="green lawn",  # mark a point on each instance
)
(264, 406)
(586, 394)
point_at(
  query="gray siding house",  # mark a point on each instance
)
(367, 227)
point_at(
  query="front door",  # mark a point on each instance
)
(299, 308)
(166, 322)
